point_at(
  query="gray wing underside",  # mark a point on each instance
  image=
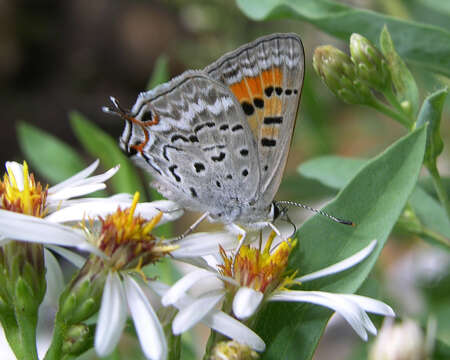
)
(244, 65)
(201, 153)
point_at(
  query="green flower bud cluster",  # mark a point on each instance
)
(340, 74)
(369, 74)
(22, 276)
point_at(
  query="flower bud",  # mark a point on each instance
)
(83, 295)
(232, 350)
(399, 341)
(23, 280)
(340, 75)
(77, 340)
(370, 64)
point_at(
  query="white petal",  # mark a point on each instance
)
(148, 328)
(371, 305)
(75, 178)
(75, 191)
(233, 329)
(349, 310)
(74, 258)
(104, 207)
(16, 170)
(246, 302)
(341, 265)
(81, 182)
(112, 316)
(192, 314)
(54, 279)
(200, 244)
(29, 228)
(180, 288)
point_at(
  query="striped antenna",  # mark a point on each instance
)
(292, 203)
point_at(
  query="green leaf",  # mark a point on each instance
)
(332, 171)
(430, 113)
(405, 86)
(425, 45)
(336, 172)
(48, 156)
(374, 200)
(100, 145)
(160, 72)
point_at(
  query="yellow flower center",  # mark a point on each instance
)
(28, 198)
(127, 240)
(260, 270)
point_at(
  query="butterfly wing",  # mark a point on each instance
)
(266, 77)
(192, 136)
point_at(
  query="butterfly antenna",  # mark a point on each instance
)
(116, 109)
(292, 203)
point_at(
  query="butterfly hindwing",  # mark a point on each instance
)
(198, 146)
(266, 77)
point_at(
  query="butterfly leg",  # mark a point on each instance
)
(193, 226)
(274, 228)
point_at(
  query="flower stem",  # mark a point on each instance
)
(438, 238)
(399, 116)
(55, 352)
(439, 186)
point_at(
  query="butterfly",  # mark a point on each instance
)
(216, 140)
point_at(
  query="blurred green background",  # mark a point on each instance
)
(59, 56)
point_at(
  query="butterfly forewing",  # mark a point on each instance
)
(199, 147)
(266, 77)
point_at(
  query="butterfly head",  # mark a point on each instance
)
(134, 136)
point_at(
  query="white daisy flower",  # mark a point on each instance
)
(255, 276)
(31, 212)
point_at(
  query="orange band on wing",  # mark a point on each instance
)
(252, 86)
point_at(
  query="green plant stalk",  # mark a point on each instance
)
(12, 334)
(26, 324)
(390, 96)
(439, 186)
(174, 343)
(436, 237)
(400, 117)
(55, 352)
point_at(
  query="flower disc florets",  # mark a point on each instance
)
(127, 240)
(24, 195)
(262, 271)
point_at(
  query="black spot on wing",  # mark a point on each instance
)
(218, 158)
(178, 137)
(201, 126)
(237, 127)
(199, 167)
(193, 139)
(248, 108)
(259, 103)
(270, 120)
(278, 90)
(172, 169)
(193, 192)
(165, 147)
(268, 91)
(268, 142)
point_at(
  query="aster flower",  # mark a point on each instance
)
(32, 212)
(260, 276)
(108, 283)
